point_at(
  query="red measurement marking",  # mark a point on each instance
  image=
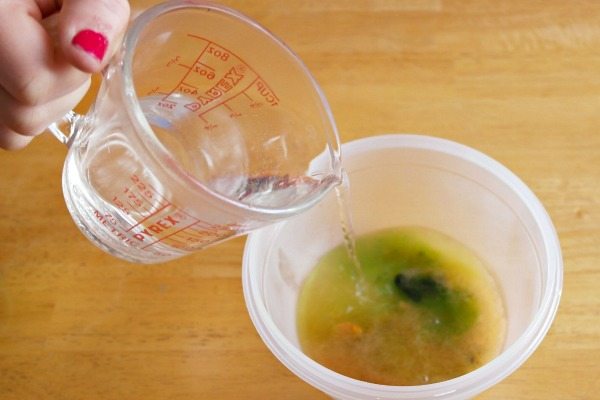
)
(193, 106)
(198, 37)
(147, 197)
(152, 214)
(138, 198)
(192, 236)
(199, 235)
(157, 192)
(233, 113)
(169, 235)
(173, 60)
(132, 207)
(188, 71)
(135, 205)
(177, 243)
(162, 203)
(207, 66)
(152, 91)
(107, 221)
(248, 96)
(229, 99)
(188, 85)
(267, 93)
(210, 42)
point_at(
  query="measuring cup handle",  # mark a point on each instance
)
(70, 121)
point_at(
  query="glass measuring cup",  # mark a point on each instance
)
(205, 127)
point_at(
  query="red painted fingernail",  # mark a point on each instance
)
(91, 42)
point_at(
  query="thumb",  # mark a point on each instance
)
(90, 31)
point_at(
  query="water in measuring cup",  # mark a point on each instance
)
(238, 158)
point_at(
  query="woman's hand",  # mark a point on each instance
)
(48, 49)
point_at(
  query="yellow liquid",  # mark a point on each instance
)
(422, 309)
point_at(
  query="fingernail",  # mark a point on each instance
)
(91, 42)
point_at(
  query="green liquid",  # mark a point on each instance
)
(421, 309)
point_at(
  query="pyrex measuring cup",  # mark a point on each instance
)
(204, 128)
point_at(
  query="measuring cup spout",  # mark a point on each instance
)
(70, 123)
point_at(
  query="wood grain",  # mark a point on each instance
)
(519, 80)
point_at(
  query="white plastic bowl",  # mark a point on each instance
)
(410, 180)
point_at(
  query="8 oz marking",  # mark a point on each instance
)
(220, 54)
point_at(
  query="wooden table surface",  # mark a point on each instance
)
(519, 80)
